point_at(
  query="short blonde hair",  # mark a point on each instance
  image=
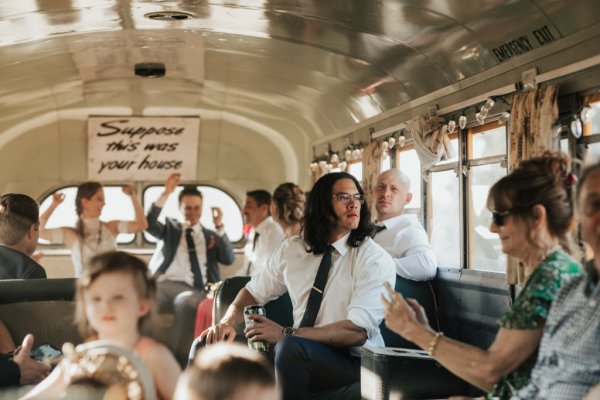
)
(220, 371)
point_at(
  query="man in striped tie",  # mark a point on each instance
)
(334, 273)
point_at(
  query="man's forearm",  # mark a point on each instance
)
(235, 312)
(338, 334)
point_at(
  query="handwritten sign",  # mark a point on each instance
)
(142, 148)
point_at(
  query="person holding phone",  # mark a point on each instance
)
(187, 254)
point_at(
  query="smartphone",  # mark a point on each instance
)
(44, 352)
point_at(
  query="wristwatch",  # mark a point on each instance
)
(289, 331)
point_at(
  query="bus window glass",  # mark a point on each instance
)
(445, 218)
(356, 170)
(492, 142)
(487, 254)
(454, 155)
(212, 197)
(386, 163)
(592, 153)
(409, 163)
(595, 117)
(118, 207)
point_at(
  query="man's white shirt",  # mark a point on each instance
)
(353, 288)
(406, 241)
(270, 237)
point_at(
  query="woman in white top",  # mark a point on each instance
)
(287, 207)
(90, 235)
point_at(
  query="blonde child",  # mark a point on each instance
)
(114, 295)
(228, 371)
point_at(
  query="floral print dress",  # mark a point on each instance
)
(530, 311)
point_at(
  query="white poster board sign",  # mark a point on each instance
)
(142, 148)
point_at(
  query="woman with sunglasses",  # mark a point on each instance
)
(532, 211)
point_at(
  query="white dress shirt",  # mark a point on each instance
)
(353, 288)
(181, 268)
(270, 237)
(406, 241)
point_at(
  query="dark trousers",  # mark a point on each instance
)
(304, 366)
(168, 291)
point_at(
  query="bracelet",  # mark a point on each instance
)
(219, 226)
(433, 343)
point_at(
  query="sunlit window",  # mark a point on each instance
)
(356, 169)
(212, 197)
(487, 253)
(487, 152)
(118, 207)
(409, 163)
(445, 237)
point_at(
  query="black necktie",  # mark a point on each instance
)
(316, 293)
(198, 282)
(256, 235)
(378, 228)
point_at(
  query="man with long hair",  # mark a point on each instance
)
(334, 273)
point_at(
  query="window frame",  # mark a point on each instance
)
(239, 244)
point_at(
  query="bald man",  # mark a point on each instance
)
(401, 235)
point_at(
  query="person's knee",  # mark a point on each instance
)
(290, 350)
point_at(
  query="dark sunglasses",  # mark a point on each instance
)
(499, 217)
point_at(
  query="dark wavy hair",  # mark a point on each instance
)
(320, 220)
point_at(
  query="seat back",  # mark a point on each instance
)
(278, 310)
(424, 294)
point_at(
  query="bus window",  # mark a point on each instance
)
(118, 207)
(355, 169)
(487, 149)
(445, 218)
(212, 197)
(408, 162)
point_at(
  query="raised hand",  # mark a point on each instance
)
(172, 182)
(128, 190)
(57, 198)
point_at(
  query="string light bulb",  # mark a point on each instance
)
(347, 154)
(586, 114)
(462, 121)
(451, 126)
(488, 105)
(576, 127)
(334, 158)
(401, 140)
(504, 117)
(391, 142)
(480, 117)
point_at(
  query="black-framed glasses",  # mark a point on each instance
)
(345, 198)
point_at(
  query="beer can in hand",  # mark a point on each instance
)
(258, 310)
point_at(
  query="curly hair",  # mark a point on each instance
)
(290, 201)
(540, 180)
(320, 220)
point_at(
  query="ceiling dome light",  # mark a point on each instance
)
(168, 16)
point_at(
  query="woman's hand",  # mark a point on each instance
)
(403, 316)
(129, 190)
(57, 198)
